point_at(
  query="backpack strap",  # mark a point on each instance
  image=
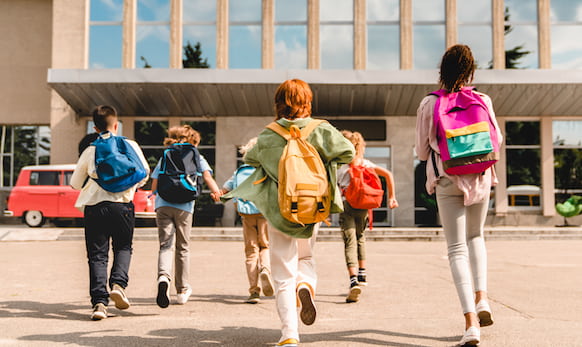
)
(310, 127)
(287, 134)
(279, 129)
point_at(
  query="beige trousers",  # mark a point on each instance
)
(256, 239)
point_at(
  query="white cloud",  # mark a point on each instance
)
(290, 54)
(158, 32)
(336, 10)
(383, 10)
(337, 46)
(197, 10)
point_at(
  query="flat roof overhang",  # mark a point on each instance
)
(212, 92)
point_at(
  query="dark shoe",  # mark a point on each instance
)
(308, 311)
(99, 312)
(253, 299)
(484, 313)
(118, 296)
(163, 298)
(362, 280)
(354, 294)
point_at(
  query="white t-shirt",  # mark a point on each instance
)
(343, 173)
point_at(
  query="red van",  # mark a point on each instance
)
(43, 192)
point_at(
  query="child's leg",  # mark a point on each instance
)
(263, 234)
(348, 227)
(166, 234)
(97, 245)
(251, 252)
(183, 222)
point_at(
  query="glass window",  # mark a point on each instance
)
(153, 10)
(45, 178)
(567, 158)
(244, 49)
(152, 46)
(337, 34)
(23, 145)
(383, 34)
(105, 34)
(428, 32)
(474, 29)
(523, 163)
(200, 27)
(150, 136)
(566, 19)
(245, 11)
(290, 34)
(521, 34)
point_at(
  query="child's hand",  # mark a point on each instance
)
(392, 203)
(216, 195)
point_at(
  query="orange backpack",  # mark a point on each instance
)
(304, 194)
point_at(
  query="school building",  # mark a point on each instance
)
(369, 63)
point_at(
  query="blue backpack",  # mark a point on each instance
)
(117, 164)
(244, 206)
(179, 180)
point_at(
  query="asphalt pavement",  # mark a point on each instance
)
(535, 288)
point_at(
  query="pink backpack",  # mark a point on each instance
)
(466, 134)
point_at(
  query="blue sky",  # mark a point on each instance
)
(336, 37)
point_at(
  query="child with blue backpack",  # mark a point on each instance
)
(108, 173)
(174, 204)
(255, 234)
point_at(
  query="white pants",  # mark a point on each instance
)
(463, 227)
(292, 262)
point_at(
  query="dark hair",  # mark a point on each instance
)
(86, 141)
(457, 68)
(104, 117)
(293, 99)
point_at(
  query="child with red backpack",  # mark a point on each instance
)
(458, 135)
(362, 192)
(255, 235)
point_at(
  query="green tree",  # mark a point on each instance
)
(146, 65)
(512, 56)
(193, 57)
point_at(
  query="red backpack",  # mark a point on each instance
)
(365, 189)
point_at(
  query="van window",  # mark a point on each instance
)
(45, 178)
(68, 175)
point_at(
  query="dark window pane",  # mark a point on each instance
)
(523, 167)
(372, 130)
(44, 178)
(522, 133)
(150, 133)
(207, 132)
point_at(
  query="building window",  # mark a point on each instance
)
(153, 34)
(566, 19)
(428, 32)
(522, 141)
(383, 25)
(521, 34)
(22, 146)
(199, 19)
(474, 28)
(150, 136)
(105, 34)
(290, 34)
(244, 49)
(337, 34)
(567, 158)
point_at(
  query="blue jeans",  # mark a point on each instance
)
(104, 221)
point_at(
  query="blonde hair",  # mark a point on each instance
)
(246, 147)
(293, 100)
(182, 134)
(357, 140)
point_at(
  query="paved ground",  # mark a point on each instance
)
(535, 287)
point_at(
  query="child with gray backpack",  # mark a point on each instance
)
(256, 238)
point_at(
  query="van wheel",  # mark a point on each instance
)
(34, 219)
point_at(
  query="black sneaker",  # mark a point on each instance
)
(354, 294)
(163, 298)
(362, 280)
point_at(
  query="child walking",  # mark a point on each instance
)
(174, 222)
(291, 244)
(462, 200)
(353, 221)
(107, 216)
(256, 238)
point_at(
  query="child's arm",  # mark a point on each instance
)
(392, 202)
(211, 183)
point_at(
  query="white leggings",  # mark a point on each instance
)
(463, 227)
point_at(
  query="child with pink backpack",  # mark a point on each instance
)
(457, 133)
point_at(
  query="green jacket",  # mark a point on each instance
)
(333, 148)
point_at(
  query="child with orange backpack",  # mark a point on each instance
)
(362, 192)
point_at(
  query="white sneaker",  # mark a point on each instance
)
(163, 298)
(184, 296)
(266, 282)
(308, 311)
(484, 313)
(471, 337)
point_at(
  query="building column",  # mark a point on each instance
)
(222, 34)
(501, 200)
(451, 36)
(268, 46)
(176, 34)
(544, 37)
(313, 47)
(406, 58)
(498, 14)
(129, 23)
(360, 34)
(547, 167)
(70, 27)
